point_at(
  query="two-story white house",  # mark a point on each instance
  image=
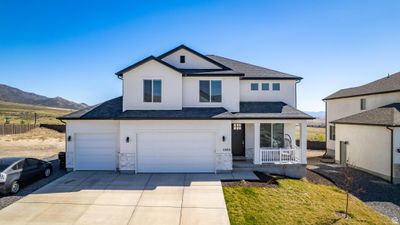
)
(187, 112)
(363, 127)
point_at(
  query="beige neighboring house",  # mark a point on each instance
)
(363, 127)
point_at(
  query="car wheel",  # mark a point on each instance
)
(47, 172)
(14, 187)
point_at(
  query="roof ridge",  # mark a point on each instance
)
(250, 64)
(369, 84)
(182, 46)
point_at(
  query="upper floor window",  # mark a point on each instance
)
(210, 91)
(182, 59)
(276, 86)
(363, 103)
(152, 90)
(254, 86)
(332, 135)
(265, 86)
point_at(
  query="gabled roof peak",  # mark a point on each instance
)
(151, 57)
(182, 46)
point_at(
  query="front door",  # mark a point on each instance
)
(238, 145)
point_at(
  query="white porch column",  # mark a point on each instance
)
(303, 142)
(257, 159)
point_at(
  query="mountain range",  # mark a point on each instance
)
(12, 94)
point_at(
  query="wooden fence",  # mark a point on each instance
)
(16, 128)
(6, 129)
(314, 145)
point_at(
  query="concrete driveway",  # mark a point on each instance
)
(111, 198)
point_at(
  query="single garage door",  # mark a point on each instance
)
(95, 151)
(176, 152)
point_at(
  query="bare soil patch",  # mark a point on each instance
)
(317, 179)
(265, 181)
(37, 143)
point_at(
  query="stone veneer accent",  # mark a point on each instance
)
(396, 173)
(223, 161)
(69, 157)
(249, 153)
(127, 161)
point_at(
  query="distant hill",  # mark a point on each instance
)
(18, 113)
(15, 95)
(318, 115)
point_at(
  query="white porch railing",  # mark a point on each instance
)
(280, 155)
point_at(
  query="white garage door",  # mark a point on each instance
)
(176, 152)
(95, 151)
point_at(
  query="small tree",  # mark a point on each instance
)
(349, 184)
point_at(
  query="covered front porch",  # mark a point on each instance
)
(268, 144)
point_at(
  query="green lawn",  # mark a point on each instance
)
(295, 202)
(24, 113)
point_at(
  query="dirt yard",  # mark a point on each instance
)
(38, 143)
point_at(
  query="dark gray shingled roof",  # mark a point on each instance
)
(106, 110)
(266, 110)
(112, 110)
(385, 85)
(229, 67)
(185, 113)
(388, 115)
(210, 72)
(252, 71)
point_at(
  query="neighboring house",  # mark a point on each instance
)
(363, 127)
(187, 112)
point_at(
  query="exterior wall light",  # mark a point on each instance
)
(223, 138)
(127, 139)
(69, 138)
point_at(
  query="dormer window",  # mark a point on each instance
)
(182, 59)
(152, 90)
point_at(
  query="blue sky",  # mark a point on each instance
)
(73, 48)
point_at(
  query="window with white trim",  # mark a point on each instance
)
(332, 132)
(272, 135)
(363, 104)
(210, 90)
(254, 86)
(152, 90)
(265, 86)
(276, 86)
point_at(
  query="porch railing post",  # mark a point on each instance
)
(257, 153)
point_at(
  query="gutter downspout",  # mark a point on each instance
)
(391, 153)
(295, 93)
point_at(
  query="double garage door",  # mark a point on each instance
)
(158, 152)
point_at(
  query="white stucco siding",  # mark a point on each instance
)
(343, 107)
(286, 94)
(74, 128)
(171, 87)
(230, 93)
(396, 145)
(368, 147)
(191, 61)
(220, 128)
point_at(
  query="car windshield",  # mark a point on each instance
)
(6, 162)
